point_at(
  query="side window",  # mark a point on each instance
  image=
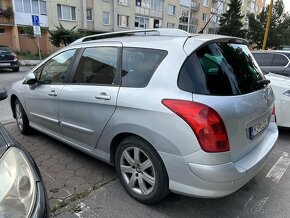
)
(279, 60)
(139, 64)
(97, 66)
(263, 59)
(55, 69)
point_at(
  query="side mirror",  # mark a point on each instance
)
(3, 93)
(30, 79)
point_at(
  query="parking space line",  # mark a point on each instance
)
(279, 168)
(254, 207)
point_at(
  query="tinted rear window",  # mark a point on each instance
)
(5, 49)
(139, 64)
(279, 60)
(220, 69)
(263, 59)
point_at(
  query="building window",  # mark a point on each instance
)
(124, 2)
(171, 9)
(170, 25)
(27, 6)
(2, 31)
(156, 5)
(89, 14)
(142, 22)
(66, 12)
(205, 3)
(106, 18)
(18, 6)
(204, 17)
(123, 21)
(43, 10)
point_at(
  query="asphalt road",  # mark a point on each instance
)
(65, 170)
(7, 77)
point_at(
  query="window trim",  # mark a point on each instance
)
(70, 68)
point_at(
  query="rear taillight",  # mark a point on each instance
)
(15, 57)
(205, 122)
(273, 116)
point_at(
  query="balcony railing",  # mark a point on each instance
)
(148, 12)
(6, 16)
(215, 11)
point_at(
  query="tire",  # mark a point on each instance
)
(21, 118)
(141, 170)
(15, 69)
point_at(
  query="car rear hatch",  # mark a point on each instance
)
(6, 55)
(222, 75)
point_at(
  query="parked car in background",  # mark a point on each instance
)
(172, 111)
(8, 58)
(281, 88)
(275, 61)
(22, 191)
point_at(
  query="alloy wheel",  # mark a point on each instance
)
(19, 116)
(137, 170)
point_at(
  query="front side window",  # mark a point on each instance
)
(66, 12)
(97, 66)
(139, 64)
(220, 69)
(55, 70)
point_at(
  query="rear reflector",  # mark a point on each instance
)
(273, 116)
(205, 122)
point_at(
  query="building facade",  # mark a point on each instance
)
(101, 16)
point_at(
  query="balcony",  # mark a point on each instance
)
(195, 6)
(215, 11)
(148, 12)
(6, 16)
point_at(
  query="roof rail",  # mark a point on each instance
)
(151, 32)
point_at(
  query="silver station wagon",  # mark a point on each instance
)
(191, 114)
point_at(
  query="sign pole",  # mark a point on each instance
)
(38, 45)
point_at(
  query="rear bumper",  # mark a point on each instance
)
(212, 181)
(9, 64)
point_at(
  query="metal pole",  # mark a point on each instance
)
(268, 25)
(38, 48)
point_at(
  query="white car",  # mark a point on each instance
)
(281, 87)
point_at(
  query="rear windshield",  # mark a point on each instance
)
(220, 69)
(5, 49)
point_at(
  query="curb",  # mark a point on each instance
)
(29, 62)
(7, 122)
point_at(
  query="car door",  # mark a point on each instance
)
(88, 102)
(42, 100)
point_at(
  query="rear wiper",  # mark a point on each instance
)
(263, 82)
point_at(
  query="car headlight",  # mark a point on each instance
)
(287, 93)
(18, 186)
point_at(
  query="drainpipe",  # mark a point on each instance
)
(115, 14)
(85, 26)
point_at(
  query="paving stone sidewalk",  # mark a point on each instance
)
(68, 174)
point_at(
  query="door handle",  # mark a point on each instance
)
(103, 96)
(52, 93)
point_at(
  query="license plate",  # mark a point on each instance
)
(4, 64)
(255, 130)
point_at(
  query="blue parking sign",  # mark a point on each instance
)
(35, 20)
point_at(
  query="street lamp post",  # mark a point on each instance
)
(267, 25)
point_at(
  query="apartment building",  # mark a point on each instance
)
(101, 16)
